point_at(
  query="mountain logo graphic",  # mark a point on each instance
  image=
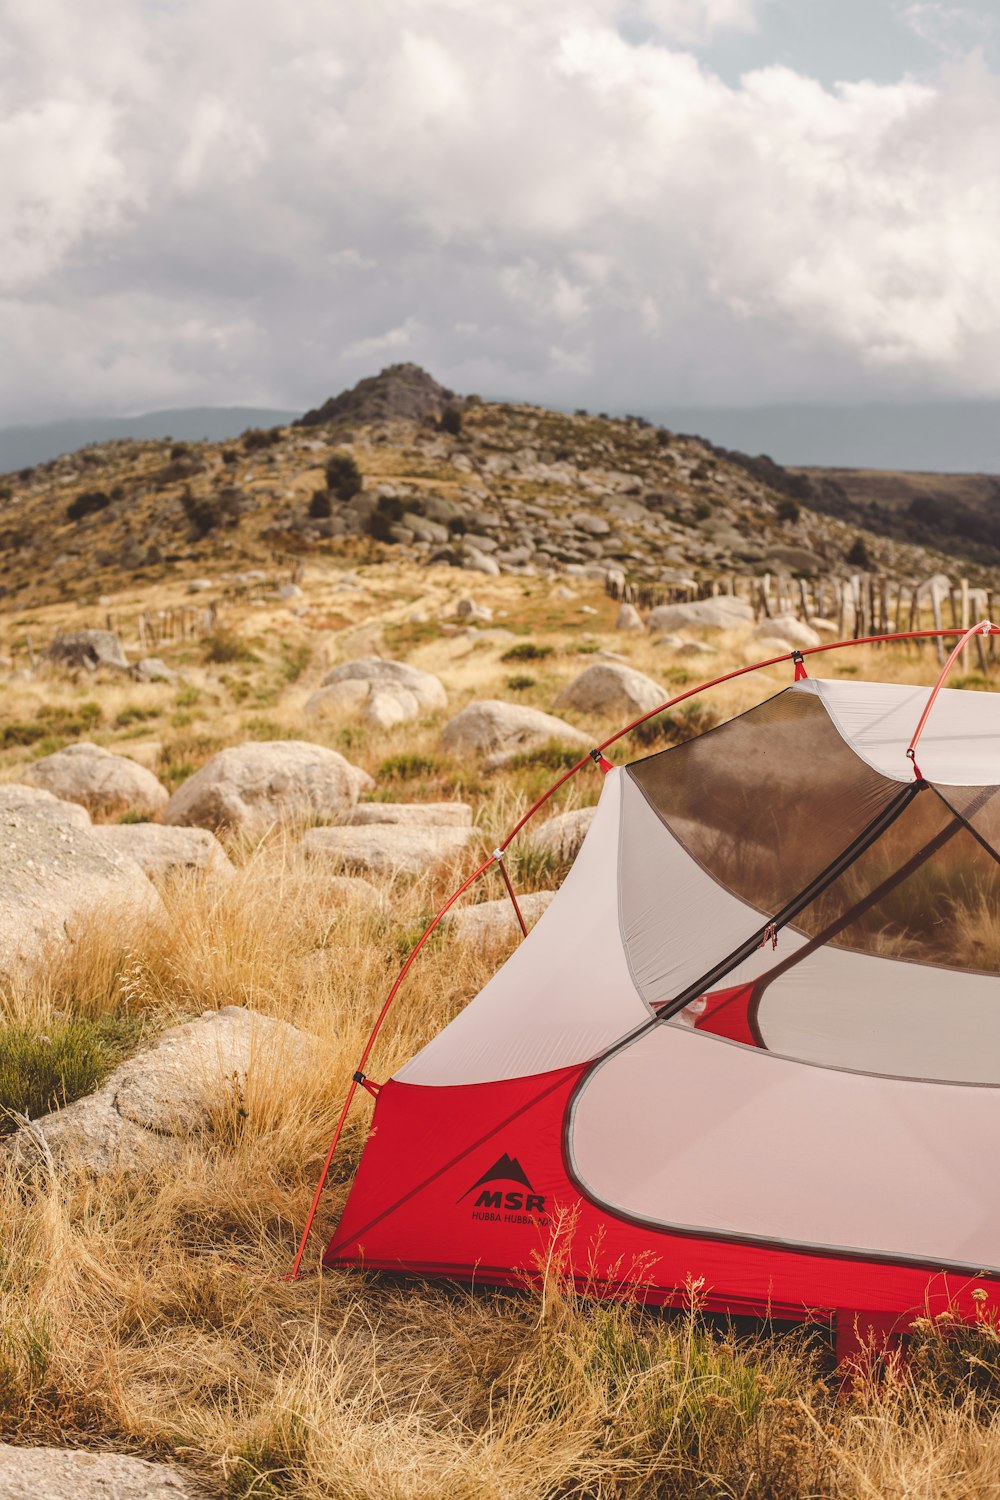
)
(504, 1169)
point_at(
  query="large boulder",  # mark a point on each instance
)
(413, 814)
(191, 1084)
(563, 835)
(613, 691)
(89, 649)
(162, 851)
(382, 692)
(385, 848)
(98, 780)
(73, 1474)
(501, 730)
(54, 871)
(250, 787)
(16, 794)
(786, 630)
(725, 612)
(496, 921)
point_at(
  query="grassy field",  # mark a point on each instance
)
(149, 1315)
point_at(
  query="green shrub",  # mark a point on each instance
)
(343, 476)
(225, 646)
(859, 556)
(407, 766)
(527, 651)
(261, 437)
(519, 682)
(42, 1071)
(788, 509)
(320, 506)
(86, 504)
(451, 420)
(134, 713)
(387, 514)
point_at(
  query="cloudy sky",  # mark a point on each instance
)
(622, 204)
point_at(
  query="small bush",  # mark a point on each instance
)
(520, 682)
(387, 514)
(226, 646)
(788, 509)
(407, 767)
(859, 556)
(320, 506)
(134, 713)
(21, 734)
(179, 450)
(458, 526)
(343, 476)
(551, 757)
(261, 437)
(451, 420)
(527, 651)
(87, 503)
(42, 1071)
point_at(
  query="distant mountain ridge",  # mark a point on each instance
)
(23, 446)
(928, 436)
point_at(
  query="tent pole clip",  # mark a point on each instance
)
(800, 667)
(599, 760)
(367, 1084)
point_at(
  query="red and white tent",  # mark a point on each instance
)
(754, 1042)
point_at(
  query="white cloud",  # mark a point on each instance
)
(229, 200)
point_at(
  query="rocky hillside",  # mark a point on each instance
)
(400, 463)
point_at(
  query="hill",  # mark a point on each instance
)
(26, 445)
(498, 487)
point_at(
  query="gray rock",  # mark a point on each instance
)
(468, 609)
(478, 562)
(563, 835)
(98, 780)
(500, 730)
(722, 613)
(72, 1474)
(695, 648)
(16, 794)
(629, 618)
(414, 814)
(152, 669)
(250, 787)
(612, 690)
(191, 1083)
(386, 848)
(383, 692)
(55, 872)
(495, 921)
(592, 525)
(669, 642)
(162, 851)
(786, 630)
(89, 649)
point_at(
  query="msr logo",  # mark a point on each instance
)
(507, 1205)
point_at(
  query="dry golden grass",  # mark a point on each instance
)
(149, 1314)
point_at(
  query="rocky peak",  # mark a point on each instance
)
(405, 391)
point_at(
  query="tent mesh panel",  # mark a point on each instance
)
(767, 800)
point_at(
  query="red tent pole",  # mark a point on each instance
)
(771, 661)
(359, 1076)
(985, 627)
